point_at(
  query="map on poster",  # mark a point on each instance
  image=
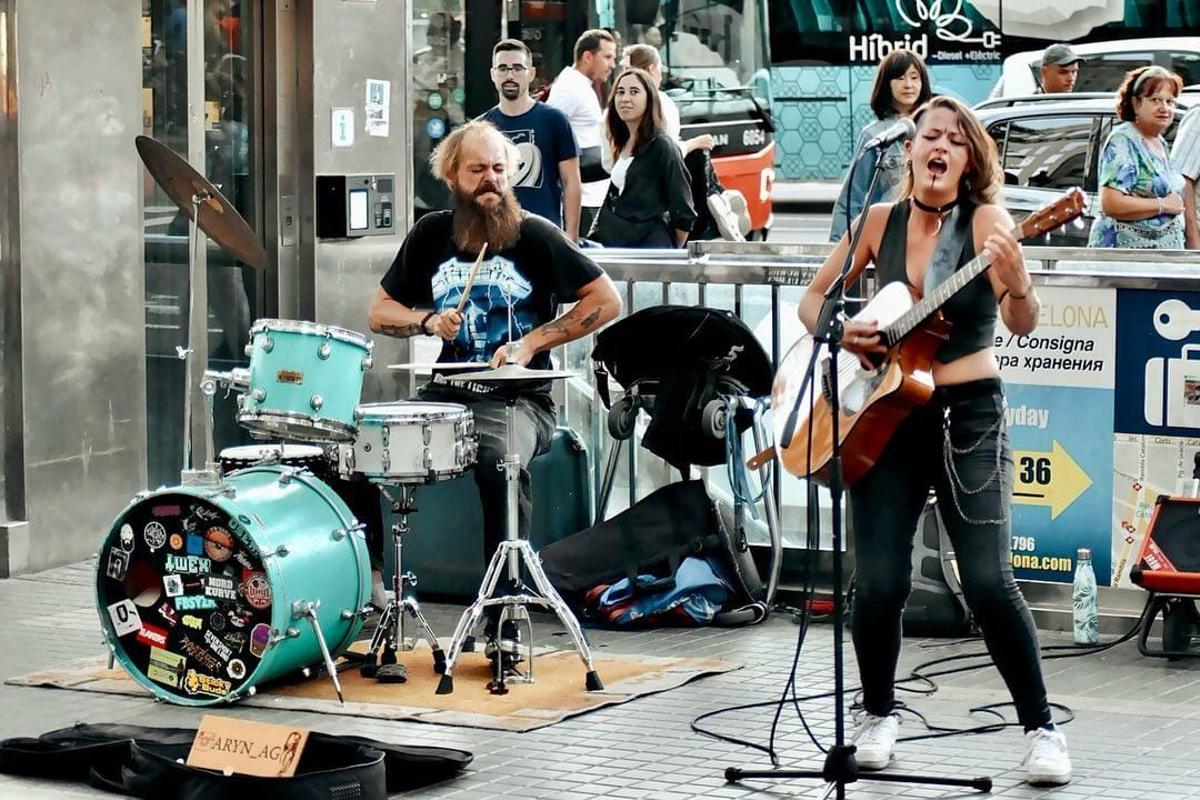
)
(1059, 392)
(1143, 468)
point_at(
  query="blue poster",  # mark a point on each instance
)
(1062, 479)
(1158, 362)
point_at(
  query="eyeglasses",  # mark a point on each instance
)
(515, 69)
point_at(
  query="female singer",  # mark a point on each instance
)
(957, 442)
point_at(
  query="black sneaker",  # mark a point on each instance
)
(506, 647)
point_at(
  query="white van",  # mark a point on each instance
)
(1105, 64)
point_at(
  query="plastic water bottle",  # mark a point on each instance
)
(1087, 606)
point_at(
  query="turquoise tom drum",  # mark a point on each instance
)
(201, 590)
(305, 380)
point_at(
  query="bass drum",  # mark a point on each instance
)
(200, 588)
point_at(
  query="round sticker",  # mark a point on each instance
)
(237, 670)
(435, 100)
(216, 621)
(458, 95)
(257, 591)
(155, 535)
(219, 544)
(176, 541)
(127, 537)
(436, 128)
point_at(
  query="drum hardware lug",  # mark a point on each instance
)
(359, 414)
(258, 395)
(248, 350)
(291, 633)
(368, 362)
(386, 435)
(428, 459)
(316, 401)
(268, 344)
(281, 551)
(387, 461)
(324, 351)
(349, 613)
(426, 434)
(338, 534)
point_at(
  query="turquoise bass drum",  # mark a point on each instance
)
(206, 592)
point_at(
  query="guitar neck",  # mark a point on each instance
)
(915, 316)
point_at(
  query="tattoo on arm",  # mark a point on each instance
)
(564, 324)
(411, 329)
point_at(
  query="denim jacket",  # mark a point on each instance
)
(853, 195)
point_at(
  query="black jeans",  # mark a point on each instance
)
(534, 427)
(886, 506)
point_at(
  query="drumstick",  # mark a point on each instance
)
(462, 300)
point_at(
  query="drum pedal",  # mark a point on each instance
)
(369, 669)
(468, 645)
(392, 673)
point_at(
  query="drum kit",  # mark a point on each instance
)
(254, 567)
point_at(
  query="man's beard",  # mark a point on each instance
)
(474, 224)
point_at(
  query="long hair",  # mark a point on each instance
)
(894, 66)
(651, 124)
(982, 179)
(447, 156)
(1144, 82)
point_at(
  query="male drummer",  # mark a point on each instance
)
(529, 268)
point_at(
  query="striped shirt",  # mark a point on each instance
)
(1185, 154)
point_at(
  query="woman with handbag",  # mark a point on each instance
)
(649, 202)
(1141, 194)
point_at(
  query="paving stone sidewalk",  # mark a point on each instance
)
(1136, 735)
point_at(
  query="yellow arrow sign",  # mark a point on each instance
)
(1048, 479)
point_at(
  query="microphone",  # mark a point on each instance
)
(902, 128)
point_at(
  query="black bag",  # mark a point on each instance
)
(146, 762)
(613, 230)
(652, 537)
(591, 165)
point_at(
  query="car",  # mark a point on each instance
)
(1105, 64)
(1049, 146)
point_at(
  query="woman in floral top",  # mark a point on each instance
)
(1141, 195)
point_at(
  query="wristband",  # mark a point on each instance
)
(425, 319)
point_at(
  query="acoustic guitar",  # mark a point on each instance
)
(875, 402)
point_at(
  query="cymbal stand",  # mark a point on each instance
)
(381, 662)
(511, 554)
(209, 474)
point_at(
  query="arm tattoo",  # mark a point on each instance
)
(412, 329)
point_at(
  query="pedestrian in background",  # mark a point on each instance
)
(1185, 157)
(547, 181)
(573, 94)
(901, 85)
(649, 201)
(1059, 69)
(1141, 193)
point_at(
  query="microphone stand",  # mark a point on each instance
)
(840, 767)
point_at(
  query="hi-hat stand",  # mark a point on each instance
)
(840, 767)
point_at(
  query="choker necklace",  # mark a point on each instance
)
(934, 209)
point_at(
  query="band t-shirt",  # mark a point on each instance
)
(529, 279)
(543, 137)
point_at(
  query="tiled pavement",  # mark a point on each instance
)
(1137, 734)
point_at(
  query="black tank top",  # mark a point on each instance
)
(971, 312)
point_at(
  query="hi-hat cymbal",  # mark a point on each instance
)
(510, 372)
(217, 217)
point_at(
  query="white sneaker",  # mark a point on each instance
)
(737, 204)
(875, 741)
(727, 221)
(1046, 759)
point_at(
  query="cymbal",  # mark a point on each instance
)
(217, 217)
(510, 372)
(418, 367)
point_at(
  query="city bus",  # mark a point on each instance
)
(714, 53)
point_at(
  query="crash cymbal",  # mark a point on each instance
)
(223, 224)
(510, 372)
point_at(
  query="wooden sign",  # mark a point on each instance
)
(248, 748)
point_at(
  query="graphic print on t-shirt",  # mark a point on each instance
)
(529, 174)
(485, 314)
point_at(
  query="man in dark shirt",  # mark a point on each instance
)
(547, 181)
(529, 268)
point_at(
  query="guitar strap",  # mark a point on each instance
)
(947, 255)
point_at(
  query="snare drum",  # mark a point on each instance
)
(199, 587)
(410, 442)
(305, 380)
(303, 456)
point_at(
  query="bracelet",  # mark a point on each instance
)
(425, 319)
(1160, 206)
